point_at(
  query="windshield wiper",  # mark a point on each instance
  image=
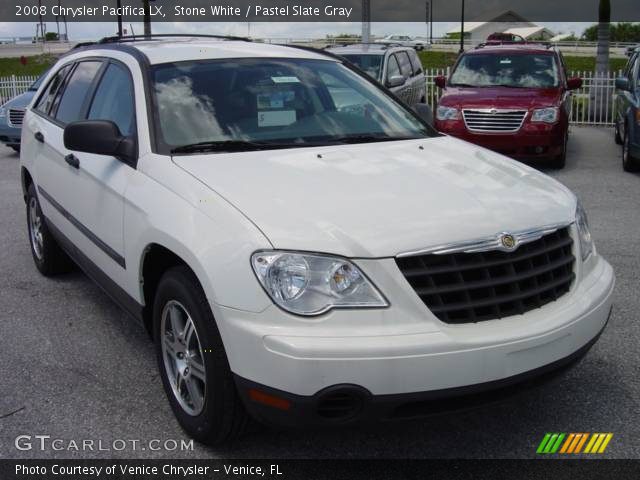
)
(505, 85)
(367, 139)
(232, 146)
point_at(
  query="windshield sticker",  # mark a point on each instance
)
(291, 79)
(274, 99)
(276, 118)
(506, 60)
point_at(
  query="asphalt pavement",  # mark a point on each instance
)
(74, 367)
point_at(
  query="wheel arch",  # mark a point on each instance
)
(26, 180)
(155, 261)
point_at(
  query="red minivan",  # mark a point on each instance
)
(512, 98)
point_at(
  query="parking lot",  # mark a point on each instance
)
(75, 367)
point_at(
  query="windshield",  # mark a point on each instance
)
(266, 100)
(516, 70)
(369, 64)
(36, 85)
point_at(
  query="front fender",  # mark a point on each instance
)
(167, 206)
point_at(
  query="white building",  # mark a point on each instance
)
(505, 22)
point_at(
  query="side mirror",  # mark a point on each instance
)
(424, 112)
(395, 81)
(101, 137)
(440, 81)
(574, 83)
(622, 83)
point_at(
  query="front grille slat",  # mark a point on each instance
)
(478, 286)
(501, 261)
(494, 120)
(497, 281)
(16, 116)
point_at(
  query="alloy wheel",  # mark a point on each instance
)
(35, 228)
(183, 359)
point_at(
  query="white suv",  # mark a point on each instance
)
(303, 247)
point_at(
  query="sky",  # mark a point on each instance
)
(79, 31)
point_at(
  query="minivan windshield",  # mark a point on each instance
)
(515, 70)
(251, 103)
(370, 64)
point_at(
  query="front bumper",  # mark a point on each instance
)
(9, 135)
(403, 354)
(531, 142)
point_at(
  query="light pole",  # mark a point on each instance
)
(431, 21)
(119, 5)
(462, 29)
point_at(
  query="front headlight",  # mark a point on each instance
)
(311, 284)
(586, 242)
(546, 115)
(447, 113)
(3, 112)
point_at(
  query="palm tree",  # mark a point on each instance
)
(147, 17)
(598, 88)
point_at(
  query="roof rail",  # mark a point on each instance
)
(493, 43)
(381, 45)
(157, 36)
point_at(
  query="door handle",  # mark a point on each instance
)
(39, 137)
(72, 160)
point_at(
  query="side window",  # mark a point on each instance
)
(405, 64)
(46, 99)
(393, 69)
(415, 63)
(74, 95)
(563, 65)
(627, 67)
(635, 72)
(113, 99)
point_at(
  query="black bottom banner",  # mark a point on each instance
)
(68, 469)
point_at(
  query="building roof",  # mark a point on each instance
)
(494, 16)
(528, 32)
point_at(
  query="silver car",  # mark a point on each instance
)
(398, 68)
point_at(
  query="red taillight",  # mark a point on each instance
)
(269, 400)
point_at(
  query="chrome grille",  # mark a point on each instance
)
(15, 117)
(494, 120)
(473, 287)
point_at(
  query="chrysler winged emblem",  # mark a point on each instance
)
(508, 241)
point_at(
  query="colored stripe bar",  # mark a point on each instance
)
(556, 446)
(607, 439)
(592, 441)
(582, 442)
(543, 443)
(550, 443)
(567, 443)
(576, 440)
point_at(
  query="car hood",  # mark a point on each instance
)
(500, 97)
(21, 101)
(381, 199)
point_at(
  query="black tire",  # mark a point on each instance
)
(617, 136)
(560, 161)
(49, 258)
(222, 417)
(629, 163)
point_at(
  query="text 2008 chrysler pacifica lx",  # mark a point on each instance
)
(304, 249)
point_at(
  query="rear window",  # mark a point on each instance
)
(516, 70)
(370, 64)
(405, 64)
